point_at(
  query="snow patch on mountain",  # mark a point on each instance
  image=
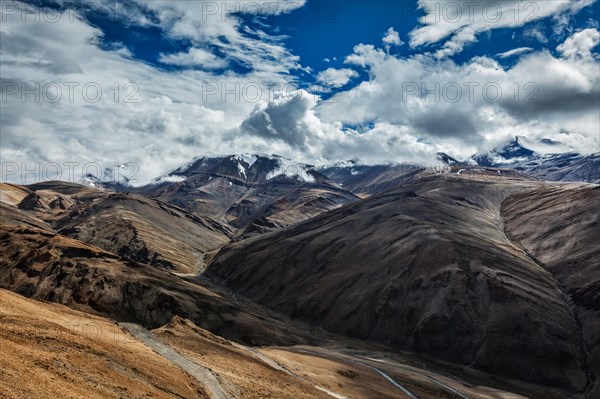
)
(544, 146)
(183, 168)
(241, 170)
(112, 176)
(520, 150)
(250, 159)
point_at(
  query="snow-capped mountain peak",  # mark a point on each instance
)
(544, 146)
(521, 149)
(251, 167)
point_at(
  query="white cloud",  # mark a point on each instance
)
(181, 115)
(217, 23)
(580, 44)
(562, 25)
(392, 38)
(365, 55)
(336, 77)
(535, 34)
(194, 57)
(288, 119)
(170, 118)
(455, 105)
(292, 128)
(459, 22)
(515, 51)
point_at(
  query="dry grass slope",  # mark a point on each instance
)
(51, 351)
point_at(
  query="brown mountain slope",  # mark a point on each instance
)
(242, 373)
(129, 225)
(145, 230)
(12, 194)
(10, 214)
(425, 267)
(253, 198)
(47, 266)
(368, 180)
(258, 215)
(565, 241)
(10, 197)
(340, 369)
(51, 351)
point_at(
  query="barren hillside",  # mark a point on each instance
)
(426, 267)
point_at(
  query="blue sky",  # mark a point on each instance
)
(327, 29)
(378, 79)
(323, 32)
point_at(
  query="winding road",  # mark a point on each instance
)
(274, 365)
(390, 379)
(378, 371)
(216, 391)
(203, 375)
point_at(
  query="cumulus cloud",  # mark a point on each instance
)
(365, 55)
(336, 77)
(458, 23)
(392, 38)
(407, 109)
(65, 99)
(289, 119)
(294, 130)
(580, 45)
(479, 102)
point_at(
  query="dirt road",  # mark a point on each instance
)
(203, 375)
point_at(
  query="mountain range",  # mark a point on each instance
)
(261, 277)
(545, 159)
